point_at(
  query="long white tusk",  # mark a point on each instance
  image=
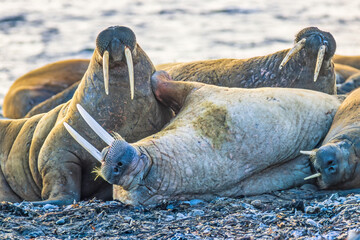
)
(104, 135)
(319, 60)
(130, 65)
(106, 71)
(85, 144)
(313, 176)
(298, 46)
(310, 153)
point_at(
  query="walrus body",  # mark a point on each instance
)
(255, 72)
(40, 161)
(337, 160)
(353, 61)
(41, 84)
(223, 142)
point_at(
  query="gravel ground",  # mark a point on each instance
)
(293, 214)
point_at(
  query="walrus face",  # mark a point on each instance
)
(318, 43)
(121, 164)
(116, 45)
(335, 165)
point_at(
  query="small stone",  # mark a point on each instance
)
(49, 206)
(170, 207)
(197, 212)
(311, 209)
(194, 202)
(61, 221)
(312, 222)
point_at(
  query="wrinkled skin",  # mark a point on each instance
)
(353, 61)
(223, 142)
(42, 83)
(253, 72)
(264, 71)
(339, 155)
(41, 161)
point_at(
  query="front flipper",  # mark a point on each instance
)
(171, 93)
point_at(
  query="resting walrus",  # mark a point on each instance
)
(353, 61)
(337, 160)
(39, 160)
(309, 60)
(223, 142)
(42, 83)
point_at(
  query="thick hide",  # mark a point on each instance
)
(336, 162)
(223, 142)
(41, 161)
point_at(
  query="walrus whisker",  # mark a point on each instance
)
(106, 71)
(319, 60)
(130, 65)
(298, 46)
(313, 176)
(85, 144)
(310, 153)
(102, 133)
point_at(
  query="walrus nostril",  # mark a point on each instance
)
(119, 164)
(332, 170)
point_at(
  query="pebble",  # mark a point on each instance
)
(311, 209)
(49, 206)
(197, 212)
(312, 222)
(61, 221)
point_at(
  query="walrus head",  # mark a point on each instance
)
(319, 43)
(336, 165)
(121, 163)
(117, 43)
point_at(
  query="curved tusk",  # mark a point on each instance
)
(130, 65)
(310, 153)
(319, 60)
(313, 176)
(298, 46)
(85, 144)
(106, 71)
(104, 135)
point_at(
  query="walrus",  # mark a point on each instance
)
(40, 84)
(223, 142)
(307, 65)
(343, 72)
(350, 84)
(41, 162)
(336, 162)
(353, 61)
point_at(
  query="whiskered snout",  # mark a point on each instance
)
(116, 44)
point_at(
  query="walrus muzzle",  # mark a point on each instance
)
(130, 65)
(300, 45)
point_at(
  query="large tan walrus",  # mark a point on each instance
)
(40, 160)
(223, 142)
(353, 61)
(337, 161)
(307, 65)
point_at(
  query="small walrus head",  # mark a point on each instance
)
(116, 45)
(318, 43)
(336, 165)
(121, 163)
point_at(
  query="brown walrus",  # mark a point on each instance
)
(42, 83)
(343, 72)
(40, 160)
(336, 162)
(308, 60)
(353, 61)
(223, 142)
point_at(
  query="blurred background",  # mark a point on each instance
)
(37, 32)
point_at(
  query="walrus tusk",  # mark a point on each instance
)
(104, 135)
(298, 46)
(85, 144)
(310, 153)
(106, 71)
(313, 176)
(319, 60)
(130, 65)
